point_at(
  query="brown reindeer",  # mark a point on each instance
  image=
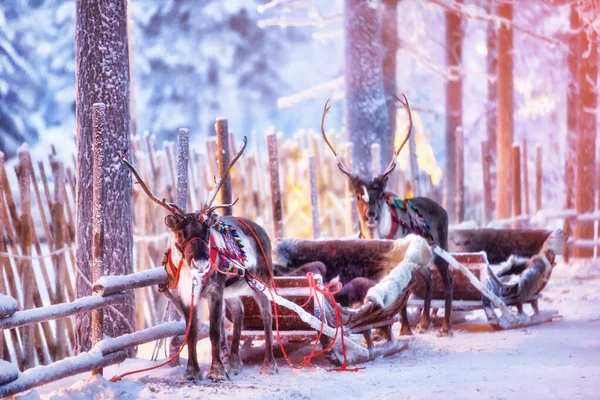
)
(382, 215)
(217, 258)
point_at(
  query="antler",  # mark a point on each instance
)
(340, 162)
(207, 208)
(171, 207)
(392, 165)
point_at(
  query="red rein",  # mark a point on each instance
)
(327, 291)
(117, 378)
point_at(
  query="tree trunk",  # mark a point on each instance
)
(366, 109)
(102, 75)
(505, 113)
(454, 39)
(573, 106)
(492, 98)
(389, 38)
(586, 143)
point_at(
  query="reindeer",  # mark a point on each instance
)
(202, 243)
(382, 215)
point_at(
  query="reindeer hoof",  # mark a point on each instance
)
(406, 331)
(235, 364)
(444, 331)
(218, 373)
(269, 368)
(192, 375)
(423, 326)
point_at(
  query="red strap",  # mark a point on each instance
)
(174, 271)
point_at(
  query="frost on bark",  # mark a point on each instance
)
(102, 75)
(366, 109)
(389, 39)
(454, 39)
(573, 106)
(492, 97)
(586, 143)
(505, 113)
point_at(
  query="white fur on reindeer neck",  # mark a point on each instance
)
(415, 253)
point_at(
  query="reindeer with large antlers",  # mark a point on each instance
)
(218, 258)
(382, 215)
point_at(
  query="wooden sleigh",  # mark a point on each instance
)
(299, 319)
(468, 297)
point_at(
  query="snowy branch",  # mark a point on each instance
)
(471, 12)
(311, 93)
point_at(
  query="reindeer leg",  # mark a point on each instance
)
(444, 269)
(192, 372)
(405, 327)
(536, 308)
(223, 342)
(236, 307)
(425, 321)
(217, 369)
(269, 364)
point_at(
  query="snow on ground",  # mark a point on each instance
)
(558, 360)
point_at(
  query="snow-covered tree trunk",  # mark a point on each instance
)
(573, 106)
(102, 75)
(389, 39)
(586, 143)
(454, 39)
(492, 98)
(366, 109)
(98, 211)
(504, 136)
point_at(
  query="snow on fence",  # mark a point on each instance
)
(108, 290)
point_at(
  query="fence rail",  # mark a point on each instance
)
(109, 290)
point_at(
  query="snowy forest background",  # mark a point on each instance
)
(275, 66)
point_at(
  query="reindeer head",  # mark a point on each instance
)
(369, 193)
(191, 231)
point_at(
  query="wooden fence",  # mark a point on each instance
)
(37, 227)
(108, 291)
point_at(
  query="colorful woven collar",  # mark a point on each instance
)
(416, 225)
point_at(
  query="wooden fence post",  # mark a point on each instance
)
(275, 190)
(538, 178)
(25, 266)
(487, 184)
(414, 165)
(223, 158)
(516, 184)
(98, 176)
(525, 169)
(314, 196)
(569, 203)
(352, 222)
(460, 175)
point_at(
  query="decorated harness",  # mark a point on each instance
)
(229, 259)
(407, 216)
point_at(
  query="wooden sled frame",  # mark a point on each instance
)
(506, 319)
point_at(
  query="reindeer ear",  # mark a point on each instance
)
(382, 182)
(172, 222)
(209, 219)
